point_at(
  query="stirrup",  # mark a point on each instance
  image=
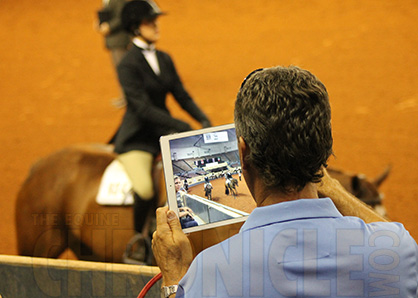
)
(138, 251)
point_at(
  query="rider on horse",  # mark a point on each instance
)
(208, 188)
(147, 75)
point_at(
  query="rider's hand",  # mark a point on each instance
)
(205, 123)
(183, 126)
(104, 28)
(171, 247)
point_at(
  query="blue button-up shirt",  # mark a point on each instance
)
(306, 248)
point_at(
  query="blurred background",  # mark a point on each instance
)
(57, 81)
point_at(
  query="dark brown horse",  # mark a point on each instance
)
(56, 207)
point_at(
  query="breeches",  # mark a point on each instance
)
(138, 165)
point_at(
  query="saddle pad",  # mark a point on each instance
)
(115, 186)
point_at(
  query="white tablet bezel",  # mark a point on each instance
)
(169, 175)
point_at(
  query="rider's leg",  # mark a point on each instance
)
(138, 166)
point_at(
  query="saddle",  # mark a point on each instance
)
(115, 187)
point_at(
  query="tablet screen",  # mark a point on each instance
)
(203, 178)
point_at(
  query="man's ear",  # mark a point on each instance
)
(244, 151)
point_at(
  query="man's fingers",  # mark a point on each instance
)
(161, 215)
(162, 224)
(167, 221)
(154, 235)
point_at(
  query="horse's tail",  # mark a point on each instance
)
(47, 193)
(40, 227)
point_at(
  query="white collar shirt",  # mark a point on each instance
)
(149, 53)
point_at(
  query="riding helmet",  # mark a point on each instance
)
(135, 11)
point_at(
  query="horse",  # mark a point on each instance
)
(230, 186)
(208, 190)
(56, 207)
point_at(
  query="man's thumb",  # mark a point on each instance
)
(173, 221)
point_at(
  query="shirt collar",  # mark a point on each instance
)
(291, 210)
(143, 45)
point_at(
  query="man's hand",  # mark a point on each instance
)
(185, 211)
(171, 247)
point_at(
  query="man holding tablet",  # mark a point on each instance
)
(307, 236)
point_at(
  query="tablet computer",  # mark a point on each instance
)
(203, 178)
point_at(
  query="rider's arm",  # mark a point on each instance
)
(183, 97)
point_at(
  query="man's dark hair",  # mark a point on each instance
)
(284, 116)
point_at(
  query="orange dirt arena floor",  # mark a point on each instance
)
(57, 81)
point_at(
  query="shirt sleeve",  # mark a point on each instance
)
(180, 292)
